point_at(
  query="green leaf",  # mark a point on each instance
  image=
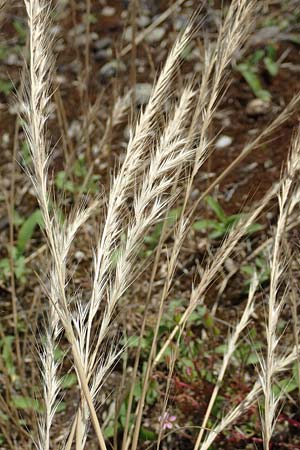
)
(26, 403)
(20, 268)
(61, 406)
(27, 229)
(254, 227)
(232, 220)
(147, 435)
(89, 18)
(221, 349)
(254, 82)
(286, 386)
(68, 380)
(4, 268)
(208, 320)
(173, 215)
(25, 153)
(252, 359)
(79, 167)
(133, 342)
(152, 239)
(62, 182)
(17, 218)
(271, 66)
(248, 270)
(219, 231)
(204, 224)
(4, 51)
(58, 354)
(295, 372)
(217, 209)
(109, 431)
(256, 57)
(6, 87)
(7, 356)
(20, 29)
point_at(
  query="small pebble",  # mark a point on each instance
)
(156, 35)
(257, 107)
(127, 35)
(268, 164)
(100, 55)
(250, 167)
(108, 11)
(77, 30)
(102, 44)
(12, 60)
(143, 21)
(142, 93)
(81, 40)
(79, 256)
(223, 141)
(111, 68)
(5, 139)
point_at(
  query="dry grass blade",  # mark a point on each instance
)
(275, 302)
(231, 347)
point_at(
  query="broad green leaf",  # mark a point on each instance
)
(27, 229)
(26, 403)
(4, 51)
(217, 209)
(256, 57)
(7, 354)
(173, 215)
(68, 380)
(26, 158)
(204, 224)
(20, 29)
(147, 435)
(252, 359)
(6, 86)
(254, 228)
(62, 182)
(248, 270)
(271, 66)
(286, 386)
(254, 82)
(219, 232)
(89, 18)
(233, 220)
(20, 268)
(221, 349)
(109, 431)
(4, 268)
(61, 406)
(208, 320)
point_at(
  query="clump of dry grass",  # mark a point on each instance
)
(159, 167)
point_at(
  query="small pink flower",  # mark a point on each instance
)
(189, 371)
(166, 421)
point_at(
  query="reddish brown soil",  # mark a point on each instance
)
(244, 186)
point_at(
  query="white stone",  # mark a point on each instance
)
(108, 11)
(223, 141)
